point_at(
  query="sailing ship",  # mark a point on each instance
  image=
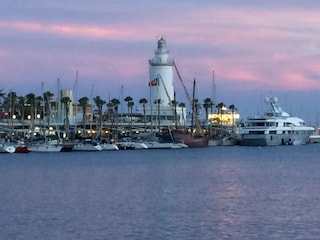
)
(192, 137)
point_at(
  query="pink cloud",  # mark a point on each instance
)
(257, 47)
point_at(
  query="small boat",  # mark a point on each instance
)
(87, 146)
(45, 147)
(6, 148)
(109, 146)
(5, 145)
(164, 145)
(22, 149)
(130, 145)
(225, 141)
(275, 127)
(67, 146)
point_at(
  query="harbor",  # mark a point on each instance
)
(159, 120)
(62, 122)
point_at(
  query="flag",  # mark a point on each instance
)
(153, 82)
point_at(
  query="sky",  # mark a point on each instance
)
(256, 48)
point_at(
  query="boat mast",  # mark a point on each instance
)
(193, 103)
(75, 101)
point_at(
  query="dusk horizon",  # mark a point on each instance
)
(256, 49)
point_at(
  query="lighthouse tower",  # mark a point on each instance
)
(161, 76)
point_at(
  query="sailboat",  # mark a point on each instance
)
(44, 143)
(192, 137)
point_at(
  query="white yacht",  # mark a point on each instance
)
(276, 127)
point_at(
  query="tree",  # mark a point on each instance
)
(144, 101)
(233, 109)
(115, 103)
(47, 97)
(128, 100)
(219, 107)
(83, 102)
(99, 103)
(207, 103)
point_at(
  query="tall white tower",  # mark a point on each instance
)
(161, 76)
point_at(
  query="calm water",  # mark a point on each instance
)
(214, 193)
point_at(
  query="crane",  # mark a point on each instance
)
(184, 87)
(195, 116)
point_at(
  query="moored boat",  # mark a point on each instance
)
(22, 149)
(164, 145)
(109, 147)
(87, 146)
(191, 140)
(275, 127)
(45, 147)
(129, 145)
(5, 148)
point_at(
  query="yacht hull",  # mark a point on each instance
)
(301, 137)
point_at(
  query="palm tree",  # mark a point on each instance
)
(144, 101)
(233, 109)
(219, 107)
(207, 103)
(66, 101)
(47, 97)
(83, 102)
(128, 99)
(115, 103)
(99, 103)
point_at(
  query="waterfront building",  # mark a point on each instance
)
(223, 117)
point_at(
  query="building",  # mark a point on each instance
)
(161, 110)
(224, 117)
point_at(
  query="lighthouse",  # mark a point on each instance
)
(161, 76)
(162, 112)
